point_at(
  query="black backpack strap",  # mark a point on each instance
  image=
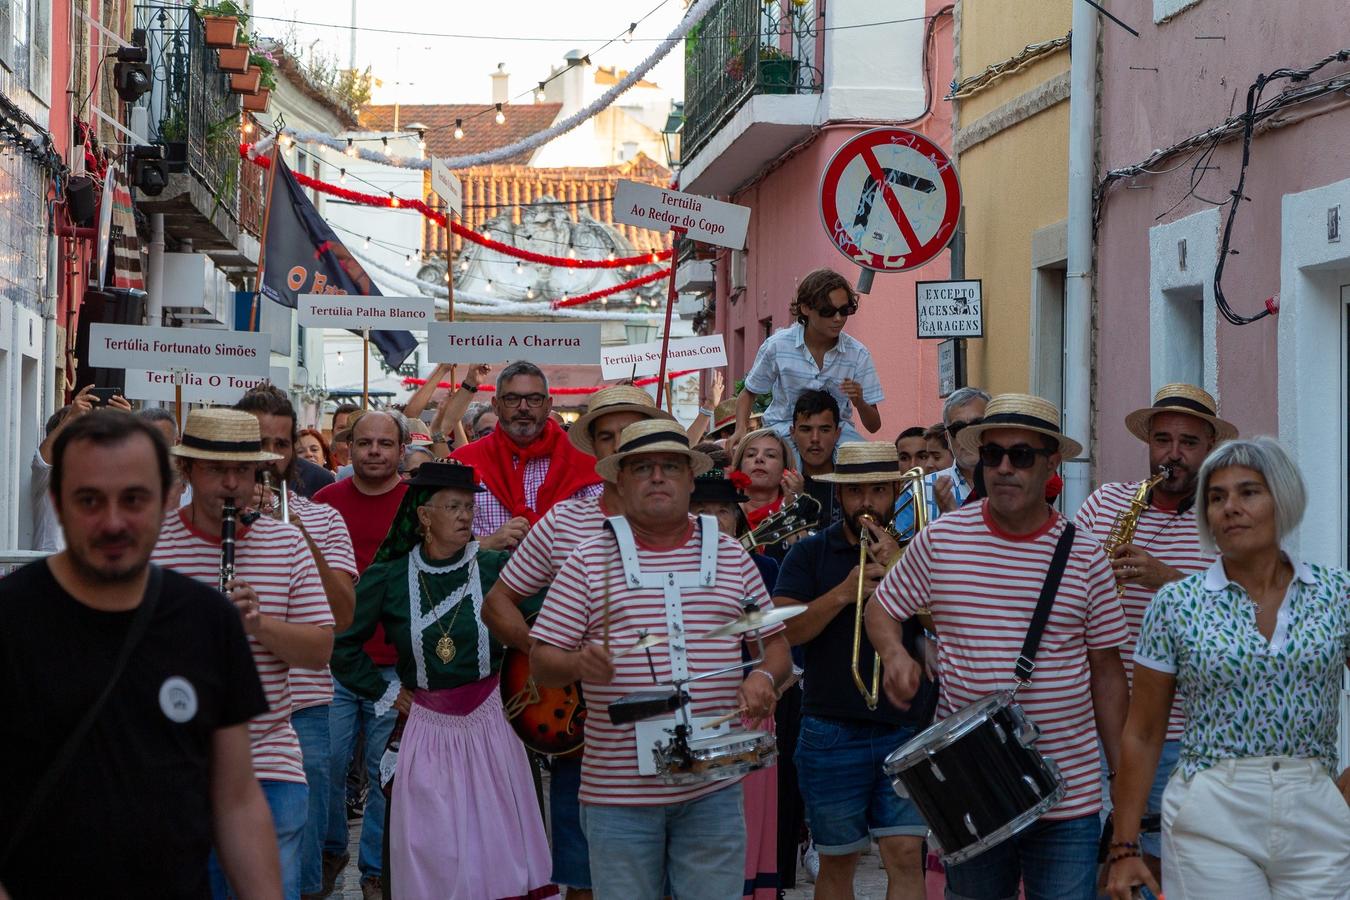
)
(1026, 661)
(140, 624)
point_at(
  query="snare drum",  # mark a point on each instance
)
(715, 758)
(976, 777)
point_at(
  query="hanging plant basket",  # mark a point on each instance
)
(248, 82)
(221, 31)
(257, 102)
(234, 59)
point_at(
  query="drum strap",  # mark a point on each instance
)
(1026, 661)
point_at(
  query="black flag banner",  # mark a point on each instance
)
(304, 256)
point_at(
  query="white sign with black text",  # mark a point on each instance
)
(949, 309)
(355, 312)
(198, 387)
(499, 342)
(634, 361)
(192, 349)
(701, 218)
(447, 186)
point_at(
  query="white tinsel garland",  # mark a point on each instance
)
(538, 139)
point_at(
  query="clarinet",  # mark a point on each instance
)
(227, 547)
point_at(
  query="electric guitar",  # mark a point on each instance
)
(802, 515)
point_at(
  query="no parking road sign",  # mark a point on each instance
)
(890, 199)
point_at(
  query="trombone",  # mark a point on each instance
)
(274, 502)
(914, 478)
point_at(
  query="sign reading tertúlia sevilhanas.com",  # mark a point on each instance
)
(949, 309)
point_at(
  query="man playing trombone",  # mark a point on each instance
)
(848, 726)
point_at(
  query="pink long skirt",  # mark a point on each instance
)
(760, 788)
(464, 822)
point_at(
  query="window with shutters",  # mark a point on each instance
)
(40, 48)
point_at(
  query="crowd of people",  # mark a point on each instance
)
(238, 621)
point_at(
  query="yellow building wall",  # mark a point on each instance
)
(1014, 182)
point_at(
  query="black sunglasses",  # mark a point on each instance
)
(830, 312)
(1021, 456)
(956, 427)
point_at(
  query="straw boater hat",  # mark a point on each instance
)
(723, 417)
(1024, 411)
(864, 462)
(227, 435)
(652, 436)
(619, 398)
(1181, 398)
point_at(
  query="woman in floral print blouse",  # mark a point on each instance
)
(1257, 646)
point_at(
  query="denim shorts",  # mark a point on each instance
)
(849, 800)
(571, 862)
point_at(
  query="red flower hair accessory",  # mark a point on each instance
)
(1053, 488)
(739, 479)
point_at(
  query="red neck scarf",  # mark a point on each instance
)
(755, 516)
(500, 465)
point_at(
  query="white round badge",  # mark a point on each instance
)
(178, 699)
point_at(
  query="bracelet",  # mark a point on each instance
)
(1124, 854)
(705, 411)
(1129, 845)
(769, 675)
(438, 437)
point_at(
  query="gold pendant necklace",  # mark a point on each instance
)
(445, 645)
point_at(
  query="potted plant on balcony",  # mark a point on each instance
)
(247, 82)
(777, 71)
(173, 133)
(233, 59)
(221, 21)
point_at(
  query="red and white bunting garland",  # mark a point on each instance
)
(252, 153)
(561, 391)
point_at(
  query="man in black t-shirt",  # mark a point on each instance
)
(165, 769)
(843, 742)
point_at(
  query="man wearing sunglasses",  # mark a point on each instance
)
(526, 463)
(814, 354)
(979, 571)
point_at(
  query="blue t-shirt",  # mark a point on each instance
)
(813, 566)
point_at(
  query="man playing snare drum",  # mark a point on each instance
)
(656, 571)
(979, 570)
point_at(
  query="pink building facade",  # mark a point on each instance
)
(769, 154)
(1157, 316)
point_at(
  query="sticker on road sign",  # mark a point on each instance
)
(890, 199)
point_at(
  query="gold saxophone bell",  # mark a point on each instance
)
(869, 697)
(1127, 520)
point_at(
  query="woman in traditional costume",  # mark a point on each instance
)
(463, 818)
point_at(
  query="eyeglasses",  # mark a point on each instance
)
(957, 427)
(1021, 456)
(830, 312)
(533, 401)
(453, 509)
(644, 468)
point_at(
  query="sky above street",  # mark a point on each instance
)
(417, 64)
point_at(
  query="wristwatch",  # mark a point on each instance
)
(472, 389)
(438, 437)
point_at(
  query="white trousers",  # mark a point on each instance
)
(1264, 828)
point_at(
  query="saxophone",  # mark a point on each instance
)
(1127, 520)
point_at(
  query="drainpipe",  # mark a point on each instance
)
(154, 272)
(1077, 423)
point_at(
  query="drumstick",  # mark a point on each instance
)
(722, 720)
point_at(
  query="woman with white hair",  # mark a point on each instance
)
(1257, 646)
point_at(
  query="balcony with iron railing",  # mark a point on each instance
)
(748, 63)
(194, 116)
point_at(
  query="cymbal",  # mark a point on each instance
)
(650, 640)
(754, 621)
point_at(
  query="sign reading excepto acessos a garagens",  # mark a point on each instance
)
(949, 309)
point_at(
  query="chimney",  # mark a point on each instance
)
(573, 81)
(501, 93)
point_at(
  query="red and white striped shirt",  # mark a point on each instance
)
(489, 513)
(275, 561)
(1169, 535)
(573, 614)
(550, 541)
(314, 687)
(981, 586)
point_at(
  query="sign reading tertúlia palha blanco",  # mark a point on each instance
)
(701, 218)
(500, 342)
(354, 312)
(632, 361)
(198, 387)
(191, 349)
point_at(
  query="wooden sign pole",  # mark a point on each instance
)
(670, 311)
